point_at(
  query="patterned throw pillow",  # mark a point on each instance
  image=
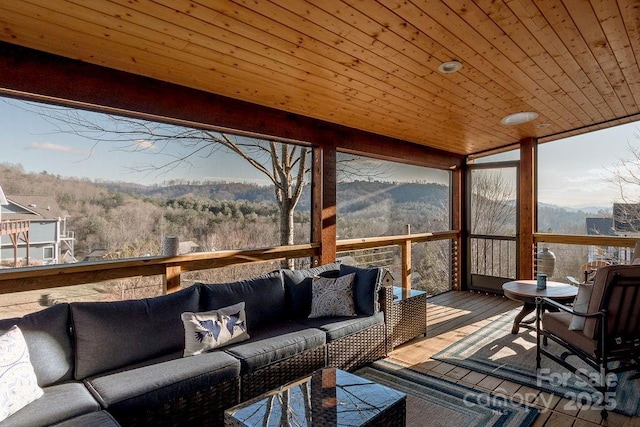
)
(18, 382)
(332, 297)
(213, 329)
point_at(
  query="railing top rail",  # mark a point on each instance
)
(492, 237)
(57, 275)
(573, 239)
(378, 242)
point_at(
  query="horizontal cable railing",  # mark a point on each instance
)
(576, 256)
(60, 275)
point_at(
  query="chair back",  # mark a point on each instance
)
(616, 289)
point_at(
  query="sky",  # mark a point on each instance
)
(38, 145)
(35, 143)
(574, 172)
(578, 171)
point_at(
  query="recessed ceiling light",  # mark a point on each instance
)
(543, 125)
(519, 118)
(450, 67)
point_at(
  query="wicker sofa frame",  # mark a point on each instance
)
(205, 405)
(347, 353)
(368, 345)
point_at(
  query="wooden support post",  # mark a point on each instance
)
(316, 202)
(324, 204)
(458, 222)
(406, 265)
(28, 244)
(172, 278)
(527, 207)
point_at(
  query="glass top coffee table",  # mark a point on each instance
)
(329, 397)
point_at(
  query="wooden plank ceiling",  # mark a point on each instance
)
(371, 65)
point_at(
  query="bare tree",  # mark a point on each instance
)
(171, 147)
(493, 213)
(626, 178)
(492, 204)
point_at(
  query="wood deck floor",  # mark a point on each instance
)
(454, 315)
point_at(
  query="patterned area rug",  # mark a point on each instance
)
(435, 402)
(494, 351)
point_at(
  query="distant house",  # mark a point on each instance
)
(47, 238)
(600, 227)
(624, 222)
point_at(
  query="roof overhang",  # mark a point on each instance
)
(371, 66)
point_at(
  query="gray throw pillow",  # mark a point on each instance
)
(332, 297)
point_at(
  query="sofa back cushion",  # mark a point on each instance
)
(365, 287)
(263, 297)
(110, 335)
(298, 287)
(48, 339)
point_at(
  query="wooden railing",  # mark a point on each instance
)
(610, 249)
(59, 275)
(571, 239)
(13, 227)
(404, 241)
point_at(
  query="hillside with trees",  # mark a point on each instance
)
(129, 220)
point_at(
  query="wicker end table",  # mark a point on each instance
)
(409, 315)
(329, 397)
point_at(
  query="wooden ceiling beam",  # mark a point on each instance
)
(34, 75)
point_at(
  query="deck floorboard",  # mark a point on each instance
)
(452, 316)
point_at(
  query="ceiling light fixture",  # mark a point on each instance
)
(450, 67)
(519, 118)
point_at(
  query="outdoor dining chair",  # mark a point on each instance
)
(602, 328)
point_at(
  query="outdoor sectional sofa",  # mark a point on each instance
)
(110, 363)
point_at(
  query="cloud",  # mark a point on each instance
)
(49, 146)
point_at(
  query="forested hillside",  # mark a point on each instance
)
(129, 219)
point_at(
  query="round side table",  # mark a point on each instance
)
(527, 292)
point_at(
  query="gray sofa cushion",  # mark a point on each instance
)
(338, 327)
(275, 343)
(298, 287)
(263, 297)
(59, 403)
(49, 341)
(159, 381)
(110, 335)
(93, 419)
(365, 287)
